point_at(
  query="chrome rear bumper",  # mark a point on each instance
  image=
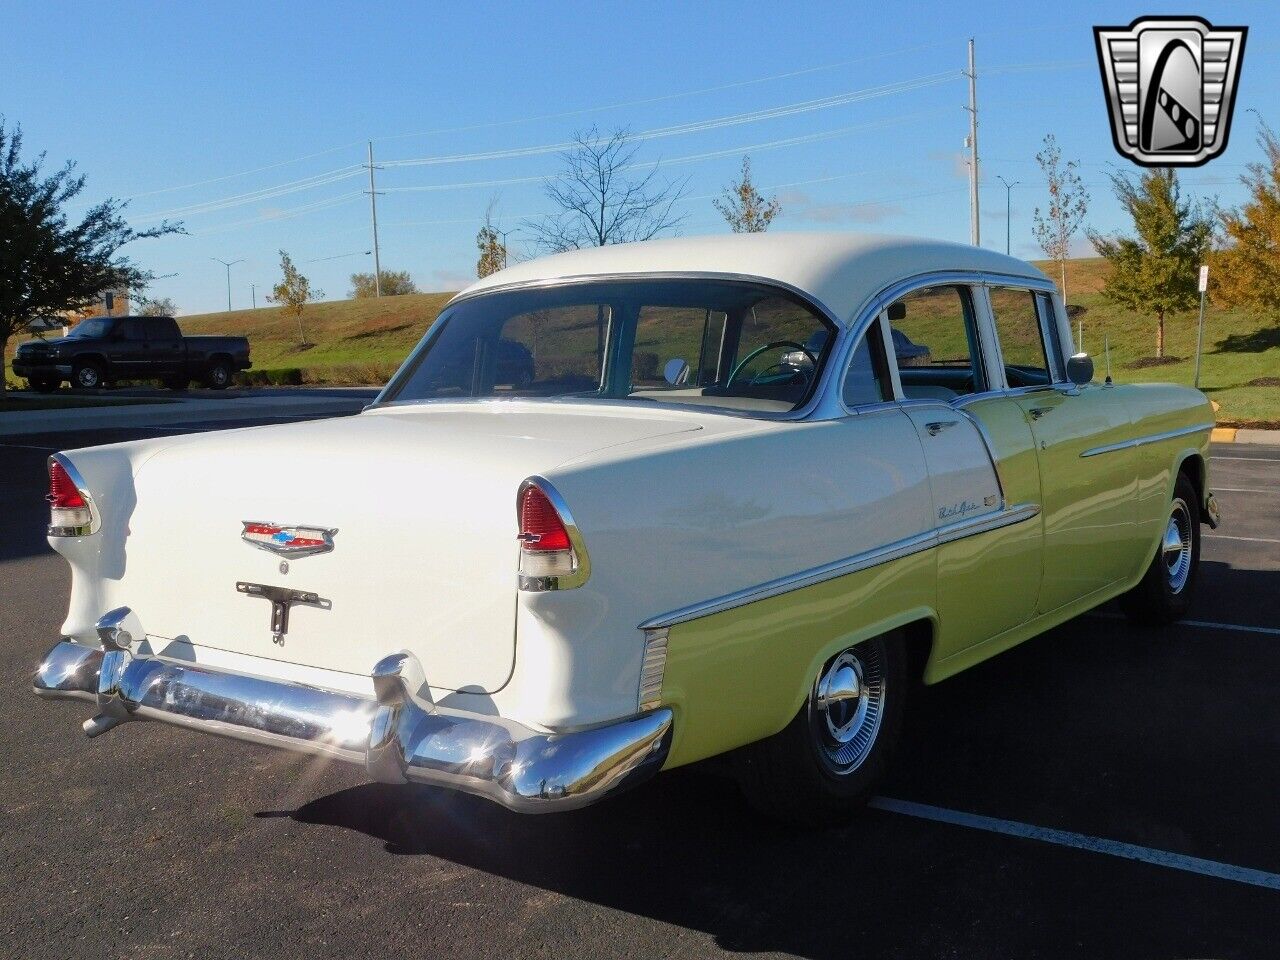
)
(398, 736)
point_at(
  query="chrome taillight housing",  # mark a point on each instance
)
(552, 554)
(71, 509)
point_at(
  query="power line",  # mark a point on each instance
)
(755, 116)
(266, 193)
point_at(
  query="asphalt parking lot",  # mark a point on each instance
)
(1102, 741)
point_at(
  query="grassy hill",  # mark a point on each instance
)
(363, 341)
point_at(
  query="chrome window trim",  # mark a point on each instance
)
(896, 550)
(82, 487)
(567, 581)
(808, 299)
(1145, 440)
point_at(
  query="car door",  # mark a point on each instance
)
(126, 348)
(1088, 501)
(983, 471)
(164, 343)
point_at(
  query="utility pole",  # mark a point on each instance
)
(975, 233)
(253, 292)
(1008, 211)
(373, 211)
(228, 264)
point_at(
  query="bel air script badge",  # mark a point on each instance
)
(287, 541)
(1171, 86)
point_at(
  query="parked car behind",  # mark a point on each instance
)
(102, 350)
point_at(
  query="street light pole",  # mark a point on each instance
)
(1008, 210)
(228, 264)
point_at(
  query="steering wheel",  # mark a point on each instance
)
(769, 346)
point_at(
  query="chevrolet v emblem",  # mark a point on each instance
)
(282, 599)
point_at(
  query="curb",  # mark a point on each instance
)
(1245, 435)
(1223, 435)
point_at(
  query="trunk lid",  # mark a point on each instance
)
(424, 555)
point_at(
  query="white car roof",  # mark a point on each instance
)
(840, 270)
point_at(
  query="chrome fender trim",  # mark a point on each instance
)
(1144, 440)
(397, 737)
(946, 533)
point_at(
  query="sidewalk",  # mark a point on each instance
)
(225, 409)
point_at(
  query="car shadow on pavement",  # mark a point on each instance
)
(1086, 728)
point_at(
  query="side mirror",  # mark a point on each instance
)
(897, 311)
(676, 372)
(1080, 369)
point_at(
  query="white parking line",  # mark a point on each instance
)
(27, 446)
(1223, 536)
(1254, 459)
(1081, 841)
(1206, 624)
(1242, 490)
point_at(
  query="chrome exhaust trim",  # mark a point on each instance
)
(398, 737)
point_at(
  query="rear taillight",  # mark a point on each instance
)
(70, 513)
(552, 555)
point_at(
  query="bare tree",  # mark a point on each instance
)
(743, 207)
(163, 307)
(598, 202)
(1068, 203)
(492, 246)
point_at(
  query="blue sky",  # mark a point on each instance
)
(181, 106)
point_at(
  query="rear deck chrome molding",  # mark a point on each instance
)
(969, 527)
(1143, 441)
(397, 737)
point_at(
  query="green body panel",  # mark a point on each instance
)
(741, 675)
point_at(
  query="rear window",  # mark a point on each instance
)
(736, 345)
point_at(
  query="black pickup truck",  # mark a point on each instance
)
(101, 350)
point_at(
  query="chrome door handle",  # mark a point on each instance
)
(937, 426)
(1038, 412)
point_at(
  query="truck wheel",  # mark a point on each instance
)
(1164, 593)
(823, 767)
(87, 375)
(218, 376)
(177, 383)
(43, 384)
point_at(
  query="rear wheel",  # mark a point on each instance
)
(218, 376)
(43, 384)
(87, 375)
(829, 759)
(1164, 593)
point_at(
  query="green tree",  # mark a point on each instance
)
(492, 247)
(1155, 270)
(1247, 269)
(1068, 204)
(394, 283)
(743, 207)
(293, 293)
(51, 263)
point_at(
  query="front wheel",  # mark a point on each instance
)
(87, 376)
(824, 766)
(1164, 593)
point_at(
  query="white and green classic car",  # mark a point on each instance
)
(628, 508)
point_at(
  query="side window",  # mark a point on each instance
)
(133, 329)
(1049, 320)
(161, 328)
(690, 336)
(1017, 320)
(935, 343)
(867, 379)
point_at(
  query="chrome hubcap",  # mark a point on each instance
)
(1176, 546)
(88, 377)
(848, 702)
